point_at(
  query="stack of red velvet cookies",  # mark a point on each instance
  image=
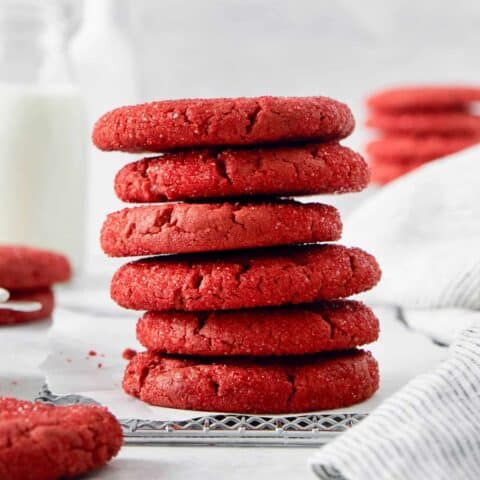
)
(29, 274)
(243, 308)
(420, 124)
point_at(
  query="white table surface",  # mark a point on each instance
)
(24, 348)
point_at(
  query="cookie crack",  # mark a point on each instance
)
(293, 388)
(221, 168)
(332, 327)
(252, 119)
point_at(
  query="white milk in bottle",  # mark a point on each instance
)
(42, 133)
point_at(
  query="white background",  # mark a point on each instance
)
(340, 48)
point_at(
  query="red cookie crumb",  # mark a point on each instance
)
(179, 124)
(254, 278)
(92, 353)
(44, 297)
(243, 172)
(186, 228)
(436, 123)
(43, 442)
(283, 385)
(128, 353)
(415, 98)
(312, 328)
(26, 268)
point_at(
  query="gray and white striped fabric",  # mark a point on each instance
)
(429, 429)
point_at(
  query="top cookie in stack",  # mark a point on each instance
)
(227, 160)
(420, 124)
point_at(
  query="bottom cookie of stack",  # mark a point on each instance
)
(264, 360)
(280, 385)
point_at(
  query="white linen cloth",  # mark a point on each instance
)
(424, 230)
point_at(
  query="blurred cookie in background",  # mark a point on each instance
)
(419, 124)
(28, 274)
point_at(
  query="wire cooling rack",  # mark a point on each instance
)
(226, 430)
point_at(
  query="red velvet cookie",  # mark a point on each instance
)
(45, 297)
(436, 123)
(283, 385)
(412, 150)
(43, 442)
(186, 228)
(385, 173)
(177, 124)
(424, 98)
(253, 278)
(26, 268)
(312, 328)
(284, 170)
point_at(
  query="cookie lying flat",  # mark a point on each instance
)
(406, 150)
(43, 442)
(284, 385)
(44, 297)
(296, 170)
(313, 328)
(424, 98)
(186, 228)
(177, 124)
(254, 278)
(442, 123)
(26, 268)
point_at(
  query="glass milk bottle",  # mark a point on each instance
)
(42, 132)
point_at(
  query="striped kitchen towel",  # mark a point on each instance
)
(428, 430)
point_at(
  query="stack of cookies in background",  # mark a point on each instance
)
(418, 125)
(28, 275)
(244, 310)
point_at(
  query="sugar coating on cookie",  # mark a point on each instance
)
(254, 278)
(283, 385)
(46, 443)
(299, 330)
(193, 227)
(26, 268)
(243, 172)
(409, 150)
(417, 98)
(43, 296)
(176, 124)
(439, 123)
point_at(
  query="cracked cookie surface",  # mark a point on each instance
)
(299, 330)
(253, 278)
(243, 172)
(283, 385)
(43, 442)
(185, 228)
(176, 124)
(26, 268)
